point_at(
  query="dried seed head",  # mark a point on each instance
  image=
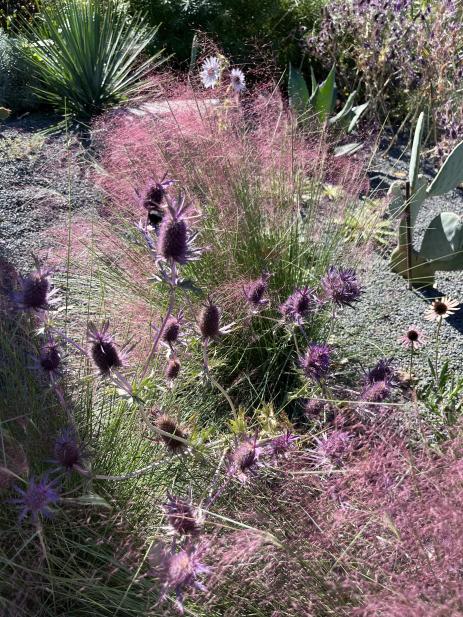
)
(169, 425)
(244, 458)
(255, 290)
(173, 368)
(181, 516)
(102, 349)
(171, 330)
(209, 321)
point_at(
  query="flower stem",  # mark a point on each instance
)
(436, 362)
(213, 380)
(170, 308)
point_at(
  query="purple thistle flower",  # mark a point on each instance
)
(36, 499)
(175, 242)
(182, 516)
(316, 361)
(35, 291)
(255, 290)
(67, 451)
(376, 392)
(332, 449)
(382, 371)
(341, 286)
(209, 321)
(279, 446)
(50, 357)
(102, 348)
(299, 305)
(177, 571)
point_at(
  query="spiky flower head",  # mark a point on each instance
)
(255, 291)
(36, 500)
(316, 361)
(315, 409)
(182, 516)
(280, 446)
(209, 320)
(210, 72)
(376, 392)
(441, 309)
(176, 241)
(36, 293)
(173, 429)
(171, 330)
(103, 350)
(177, 571)
(331, 450)
(382, 371)
(300, 304)
(244, 458)
(67, 450)
(173, 368)
(341, 286)
(50, 357)
(413, 338)
(237, 80)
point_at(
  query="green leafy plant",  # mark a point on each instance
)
(442, 245)
(321, 101)
(86, 55)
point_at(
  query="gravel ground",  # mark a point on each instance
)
(388, 307)
(37, 175)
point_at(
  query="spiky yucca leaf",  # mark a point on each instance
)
(86, 54)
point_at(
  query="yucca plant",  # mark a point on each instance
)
(86, 54)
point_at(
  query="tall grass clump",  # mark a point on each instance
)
(87, 55)
(262, 186)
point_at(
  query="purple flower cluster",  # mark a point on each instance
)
(300, 305)
(37, 499)
(316, 362)
(341, 286)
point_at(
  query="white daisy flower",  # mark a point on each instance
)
(210, 72)
(237, 80)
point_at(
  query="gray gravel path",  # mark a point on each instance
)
(37, 175)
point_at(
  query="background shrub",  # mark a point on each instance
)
(240, 26)
(15, 82)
